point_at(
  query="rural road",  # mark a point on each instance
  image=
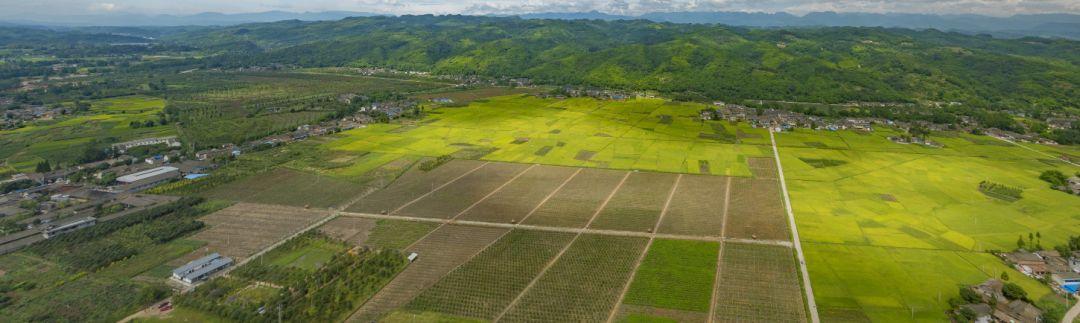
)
(1070, 316)
(1039, 152)
(810, 303)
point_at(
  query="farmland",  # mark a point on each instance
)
(244, 229)
(880, 207)
(642, 134)
(758, 283)
(64, 138)
(677, 276)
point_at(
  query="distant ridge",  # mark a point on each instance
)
(199, 19)
(1041, 25)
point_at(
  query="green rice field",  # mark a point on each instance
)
(891, 230)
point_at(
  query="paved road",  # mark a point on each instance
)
(795, 235)
(1070, 316)
(1040, 152)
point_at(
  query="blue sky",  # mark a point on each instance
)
(32, 8)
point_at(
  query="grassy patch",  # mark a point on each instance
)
(675, 274)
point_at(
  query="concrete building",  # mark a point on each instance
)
(148, 178)
(201, 269)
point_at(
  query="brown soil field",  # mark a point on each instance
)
(697, 207)
(638, 203)
(411, 185)
(763, 167)
(450, 200)
(439, 253)
(514, 201)
(349, 229)
(575, 203)
(243, 229)
(759, 283)
(757, 210)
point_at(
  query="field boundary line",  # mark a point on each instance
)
(317, 224)
(809, 291)
(667, 203)
(489, 194)
(720, 253)
(550, 195)
(551, 263)
(1039, 152)
(779, 243)
(607, 199)
(439, 188)
(637, 264)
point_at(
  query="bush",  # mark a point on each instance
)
(969, 295)
(1013, 291)
(1054, 177)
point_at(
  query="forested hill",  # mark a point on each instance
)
(820, 65)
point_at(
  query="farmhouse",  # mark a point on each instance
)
(148, 178)
(1028, 263)
(53, 231)
(200, 269)
(170, 141)
(1017, 311)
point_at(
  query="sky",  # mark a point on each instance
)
(37, 8)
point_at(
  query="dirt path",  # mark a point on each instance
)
(572, 230)
(720, 253)
(641, 257)
(1039, 152)
(810, 303)
(1070, 316)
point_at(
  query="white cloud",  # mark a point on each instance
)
(103, 6)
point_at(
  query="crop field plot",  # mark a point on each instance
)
(56, 140)
(577, 201)
(643, 134)
(697, 206)
(454, 198)
(584, 284)
(514, 201)
(762, 167)
(397, 234)
(439, 253)
(349, 229)
(894, 208)
(288, 187)
(638, 203)
(487, 284)
(243, 229)
(675, 279)
(759, 283)
(412, 185)
(757, 210)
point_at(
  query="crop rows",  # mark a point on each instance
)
(413, 184)
(675, 274)
(349, 229)
(439, 253)
(486, 285)
(243, 229)
(288, 187)
(516, 199)
(762, 167)
(638, 203)
(697, 207)
(759, 283)
(584, 284)
(756, 210)
(577, 201)
(454, 198)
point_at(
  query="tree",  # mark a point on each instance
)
(1020, 242)
(1013, 291)
(43, 167)
(969, 296)
(1005, 276)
